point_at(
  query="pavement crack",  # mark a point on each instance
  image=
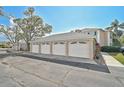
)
(65, 76)
(19, 83)
(42, 78)
(4, 63)
(117, 78)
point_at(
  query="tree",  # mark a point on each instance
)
(115, 26)
(4, 14)
(122, 40)
(115, 29)
(10, 33)
(1, 11)
(32, 26)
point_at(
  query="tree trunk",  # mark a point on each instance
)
(28, 46)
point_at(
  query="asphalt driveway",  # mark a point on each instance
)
(27, 72)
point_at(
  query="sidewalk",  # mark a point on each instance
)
(110, 61)
(114, 66)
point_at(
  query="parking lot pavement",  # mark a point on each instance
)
(27, 72)
(67, 60)
(5, 79)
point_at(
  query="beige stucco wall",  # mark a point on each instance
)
(103, 38)
(106, 38)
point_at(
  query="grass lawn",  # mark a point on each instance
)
(118, 56)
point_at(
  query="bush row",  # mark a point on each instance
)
(3, 46)
(110, 49)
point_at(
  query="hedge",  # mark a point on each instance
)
(3, 46)
(110, 49)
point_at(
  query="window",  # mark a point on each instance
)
(73, 42)
(94, 33)
(62, 43)
(81, 42)
(55, 43)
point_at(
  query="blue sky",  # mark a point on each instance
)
(66, 18)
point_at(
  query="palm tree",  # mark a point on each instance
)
(114, 28)
(121, 25)
(1, 11)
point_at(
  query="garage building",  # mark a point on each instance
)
(66, 44)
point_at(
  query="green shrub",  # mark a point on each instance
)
(110, 49)
(116, 42)
(3, 46)
(122, 40)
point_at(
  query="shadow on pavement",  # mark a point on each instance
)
(5, 55)
(85, 65)
(96, 67)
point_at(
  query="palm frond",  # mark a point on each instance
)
(121, 25)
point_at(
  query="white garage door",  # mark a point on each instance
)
(59, 48)
(79, 49)
(35, 48)
(45, 48)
